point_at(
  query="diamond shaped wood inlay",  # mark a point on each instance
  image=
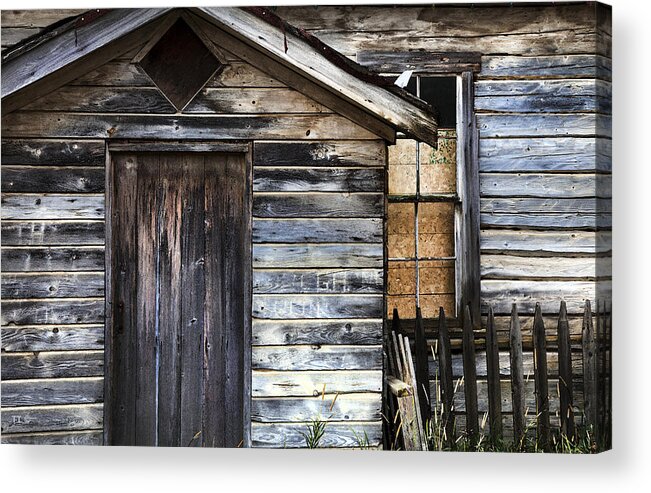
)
(180, 64)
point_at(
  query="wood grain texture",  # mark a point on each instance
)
(545, 185)
(542, 67)
(551, 242)
(317, 256)
(52, 364)
(52, 206)
(53, 311)
(545, 125)
(290, 332)
(52, 338)
(318, 205)
(272, 179)
(45, 392)
(253, 101)
(316, 357)
(269, 383)
(317, 230)
(325, 153)
(349, 407)
(52, 418)
(52, 152)
(52, 233)
(317, 306)
(318, 281)
(54, 438)
(60, 285)
(528, 267)
(346, 435)
(44, 259)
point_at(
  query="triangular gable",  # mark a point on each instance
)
(254, 34)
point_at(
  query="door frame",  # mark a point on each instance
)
(134, 145)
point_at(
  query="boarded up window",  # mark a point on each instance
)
(421, 217)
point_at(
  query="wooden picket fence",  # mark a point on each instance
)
(409, 399)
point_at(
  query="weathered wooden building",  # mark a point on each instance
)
(251, 173)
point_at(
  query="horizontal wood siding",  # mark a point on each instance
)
(318, 205)
(318, 286)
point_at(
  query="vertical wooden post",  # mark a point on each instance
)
(517, 377)
(565, 374)
(540, 377)
(422, 370)
(395, 323)
(470, 376)
(445, 376)
(601, 371)
(589, 370)
(493, 372)
(609, 376)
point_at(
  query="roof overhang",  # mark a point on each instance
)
(255, 34)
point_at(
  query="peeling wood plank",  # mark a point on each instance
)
(52, 338)
(274, 179)
(350, 407)
(318, 281)
(53, 311)
(45, 392)
(52, 152)
(317, 306)
(52, 179)
(52, 418)
(59, 364)
(59, 285)
(52, 206)
(314, 383)
(51, 233)
(318, 256)
(323, 230)
(211, 127)
(289, 332)
(317, 357)
(52, 259)
(326, 153)
(344, 435)
(318, 205)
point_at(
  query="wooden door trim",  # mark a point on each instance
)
(245, 148)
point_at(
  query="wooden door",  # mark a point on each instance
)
(179, 321)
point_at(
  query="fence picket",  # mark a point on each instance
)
(565, 374)
(422, 369)
(445, 376)
(470, 376)
(589, 370)
(493, 372)
(517, 377)
(540, 377)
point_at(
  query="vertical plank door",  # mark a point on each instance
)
(179, 325)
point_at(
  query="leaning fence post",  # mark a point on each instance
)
(565, 373)
(445, 376)
(517, 377)
(470, 376)
(493, 373)
(601, 371)
(422, 370)
(589, 370)
(540, 377)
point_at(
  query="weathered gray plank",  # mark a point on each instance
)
(317, 357)
(52, 338)
(12, 35)
(546, 221)
(36, 18)
(23, 233)
(554, 66)
(116, 73)
(347, 407)
(339, 435)
(501, 294)
(89, 99)
(548, 154)
(314, 383)
(52, 179)
(317, 255)
(55, 438)
(254, 101)
(279, 332)
(52, 152)
(428, 62)
(241, 74)
(543, 241)
(537, 125)
(59, 285)
(317, 306)
(519, 205)
(52, 418)
(52, 206)
(227, 127)
(317, 281)
(53, 311)
(543, 104)
(327, 153)
(545, 185)
(543, 88)
(48, 259)
(528, 267)
(322, 230)
(45, 392)
(52, 364)
(318, 205)
(274, 179)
